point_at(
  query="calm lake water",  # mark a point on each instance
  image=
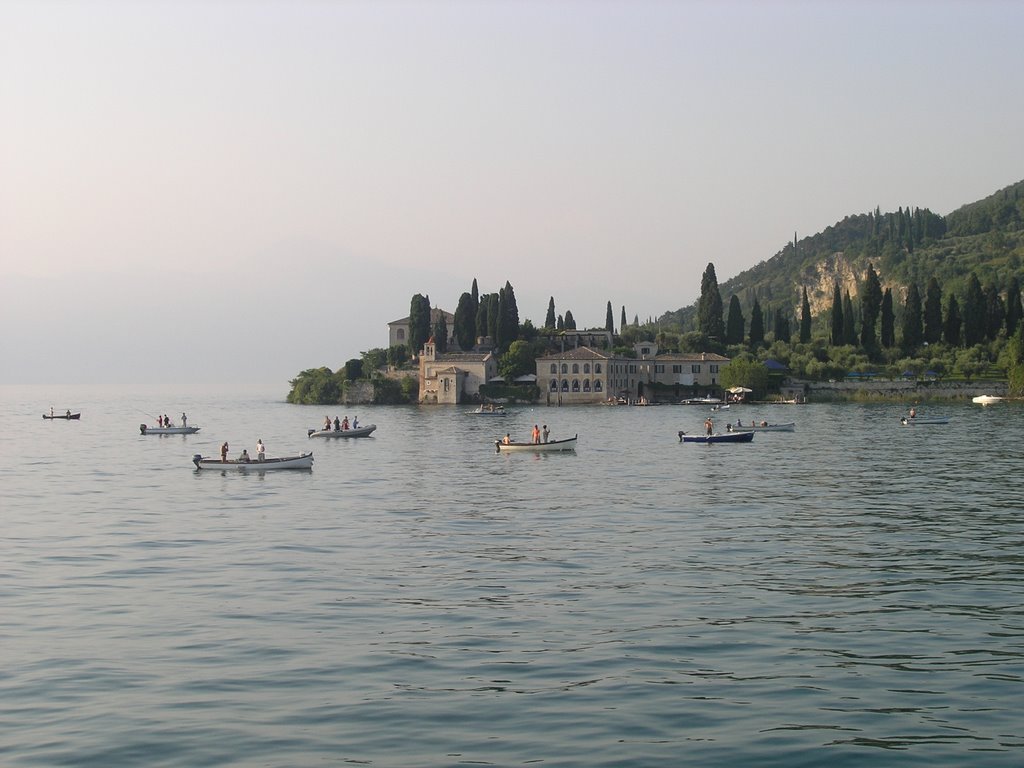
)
(849, 594)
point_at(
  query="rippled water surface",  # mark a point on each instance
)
(848, 594)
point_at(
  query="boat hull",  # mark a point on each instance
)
(569, 444)
(167, 430)
(986, 399)
(787, 427)
(63, 416)
(919, 420)
(303, 461)
(723, 437)
(361, 432)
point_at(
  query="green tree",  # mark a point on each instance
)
(353, 370)
(1014, 310)
(520, 359)
(465, 322)
(973, 312)
(709, 306)
(440, 333)
(756, 324)
(849, 325)
(316, 386)
(781, 326)
(995, 312)
(953, 322)
(736, 325)
(888, 326)
(570, 323)
(493, 316)
(912, 329)
(622, 320)
(419, 322)
(871, 304)
(746, 372)
(805, 319)
(609, 319)
(933, 325)
(838, 339)
(549, 319)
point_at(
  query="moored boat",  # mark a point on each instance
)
(764, 426)
(358, 432)
(986, 399)
(718, 437)
(569, 444)
(147, 430)
(302, 461)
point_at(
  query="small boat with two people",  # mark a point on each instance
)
(68, 415)
(717, 437)
(912, 419)
(245, 464)
(569, 444)
(489, 409)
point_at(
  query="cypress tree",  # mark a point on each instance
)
(1014, 309)
(871, 304)
(995, 312)
(849, 326)
(735, 326)
(805, 319)
(511, 313)
(475, 294)
(622, 320)
(465, 322)
(440, 333)
(419, 322)
(837, 317)
(482, 323)
(501, 337)
(609, 319)
(549, 319)
(756, 324)
(560, 323)
(933, 312)
(953, 322)
(781, 327)
(913, 333)
(570, 323)
(888, 327)
(493, 317)
(973, 312)
(709, 306)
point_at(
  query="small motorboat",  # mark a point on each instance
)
(302, 461)
(147, 430)
(358, 432)
(910, 421)
(69, 416)
(569, 444)
(718, 437)
(986, 399)
(762, 426)
(489, 410)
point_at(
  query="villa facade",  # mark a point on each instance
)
(452, 378)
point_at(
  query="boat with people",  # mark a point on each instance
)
(147, 430)
(762, 426)
(717, 437)
(357, 432)
(986, 399)
(910, 421)
(69, 416)
(302, 461)
(489, 409)
(568, 444)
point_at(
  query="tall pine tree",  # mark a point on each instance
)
(549, 319)
(805, 317)
(735, 326)
(913, 332)
(609, 319)
(756, 324)
(888, 326)
(837, 317)
(933, 328)
(973, 312)
(709, 306)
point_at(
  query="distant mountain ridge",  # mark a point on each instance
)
(906, 246)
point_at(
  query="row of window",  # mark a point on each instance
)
(576, 368)
(631, 368)
(575, 386)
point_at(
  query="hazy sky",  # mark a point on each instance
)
(230, 192)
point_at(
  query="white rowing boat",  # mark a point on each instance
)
(569, 444)
(302, 461)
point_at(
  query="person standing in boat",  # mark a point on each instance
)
(337, 425)
(184, 419)
(507, 439)
(355, 422)
(224, 451)
(709, 426)
(261, 450)
(344, 423)
(68, 414)
(545, 433)
(536, 434)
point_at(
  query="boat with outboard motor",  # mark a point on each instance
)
(357, 432)
(762, 426)
(147, 430)
(302, 461)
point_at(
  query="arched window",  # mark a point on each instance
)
(401, 334)
(575, 385)
(554, 385)
(575, 367)
(565, 368)
(586, 367)
(586, 385)
(597, 385)
(597, 367)
(554, 368)
(565, 385)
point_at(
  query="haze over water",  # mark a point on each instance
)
(851, 593)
